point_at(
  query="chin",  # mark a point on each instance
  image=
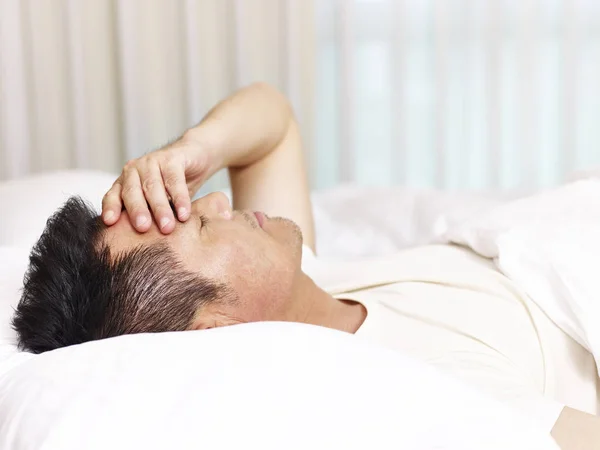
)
(288, 233)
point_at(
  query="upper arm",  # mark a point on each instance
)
(277, 184)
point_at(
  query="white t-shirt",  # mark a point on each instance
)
(451, 308)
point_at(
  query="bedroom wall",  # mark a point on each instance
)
(446, 93)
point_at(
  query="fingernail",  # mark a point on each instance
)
(108, 215)
(141, 220)
(164, 222)
(182, 212)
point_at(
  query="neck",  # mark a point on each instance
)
(313, 305)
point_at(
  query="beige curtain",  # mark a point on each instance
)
(92, 83)
(445, 93)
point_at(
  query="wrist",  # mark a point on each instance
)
(204, 142)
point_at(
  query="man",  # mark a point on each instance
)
(158, 262)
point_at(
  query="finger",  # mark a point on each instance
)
(112, 204)
(134, 200)
(156, 196)
(173, 176)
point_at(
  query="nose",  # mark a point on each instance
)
(214, 203)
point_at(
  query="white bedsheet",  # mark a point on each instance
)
(354, 222)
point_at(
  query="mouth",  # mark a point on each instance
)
(260, 218)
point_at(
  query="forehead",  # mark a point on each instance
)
(123, 236)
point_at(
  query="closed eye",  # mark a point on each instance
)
(203, 220)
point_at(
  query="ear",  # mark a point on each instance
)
(202, 323)
(207, 318)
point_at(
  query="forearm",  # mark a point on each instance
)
(245, 127)
(278, 185)
(255, 135)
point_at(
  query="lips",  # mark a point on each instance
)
(260, 217)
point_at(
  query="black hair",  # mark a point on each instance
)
(75, 290)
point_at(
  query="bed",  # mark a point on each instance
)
(254, 386)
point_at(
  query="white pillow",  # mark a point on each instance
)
(261, 385)
(13, 263)
(27, 203)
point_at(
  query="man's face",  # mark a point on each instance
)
(258, 261)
